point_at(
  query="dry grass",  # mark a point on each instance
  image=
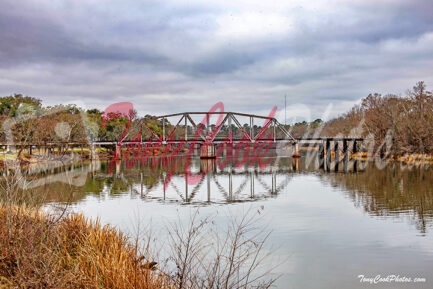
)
(360, 156)
(416, 159)
(37, 251)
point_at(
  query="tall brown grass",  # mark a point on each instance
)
(41, 250)
(37, 251)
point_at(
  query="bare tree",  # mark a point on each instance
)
(206, 258)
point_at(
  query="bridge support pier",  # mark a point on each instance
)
(321, 156)
(207, 165)
(346, 156)
(337, 155)
(296, 150)
(355, 151)
(328, 155)
(295, 164)
(329, 163)
(208, 151)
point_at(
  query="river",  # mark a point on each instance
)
(363, 229)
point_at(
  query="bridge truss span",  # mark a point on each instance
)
(219, 127)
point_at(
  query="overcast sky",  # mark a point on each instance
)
(176, 56)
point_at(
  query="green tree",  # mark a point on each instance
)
(10, 104)
(93, 124)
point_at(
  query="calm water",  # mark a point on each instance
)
(326, 228)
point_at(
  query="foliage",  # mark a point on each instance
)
(39, 252)
(407, 119)
(205, 258)
(10, 104)
(392, 191)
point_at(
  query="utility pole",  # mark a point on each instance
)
(285, 105)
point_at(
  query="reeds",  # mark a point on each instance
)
(39, 250)
(73, 252)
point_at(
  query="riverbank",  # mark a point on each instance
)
(413, 159)
(39, 251)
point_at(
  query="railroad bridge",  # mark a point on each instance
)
(207, 130)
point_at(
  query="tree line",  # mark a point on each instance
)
(36, 124)
(401, 124)
(405, 120)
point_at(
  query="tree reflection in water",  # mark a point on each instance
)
(393, 191)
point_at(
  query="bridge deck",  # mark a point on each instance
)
(215, 141)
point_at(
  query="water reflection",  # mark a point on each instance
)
(195, 180)
(208, 180)
(393, 191)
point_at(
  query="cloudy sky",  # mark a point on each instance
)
(176, 56)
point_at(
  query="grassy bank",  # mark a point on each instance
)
(37, 251)
(40, 251)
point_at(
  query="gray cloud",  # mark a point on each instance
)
(167, 57)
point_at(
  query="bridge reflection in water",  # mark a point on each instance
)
(220, 180)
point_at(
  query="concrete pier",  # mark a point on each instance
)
(208, 151)
(296, 153)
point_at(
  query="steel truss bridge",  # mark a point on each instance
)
(215, 127)
(219, 131)
(218, 128)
